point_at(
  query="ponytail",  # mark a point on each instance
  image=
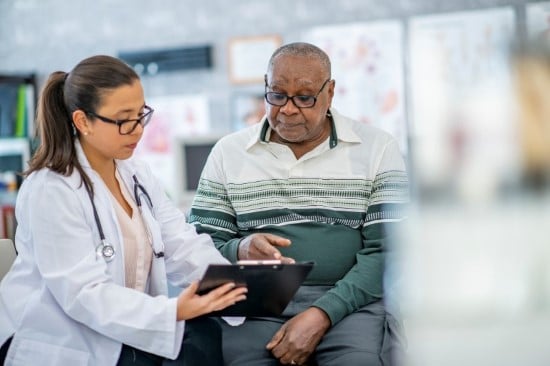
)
(65, 93)
(54, 128)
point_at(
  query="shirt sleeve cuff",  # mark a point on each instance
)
(331, 304)
(231, 250)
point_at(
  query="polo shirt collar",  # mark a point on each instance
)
(340, 130)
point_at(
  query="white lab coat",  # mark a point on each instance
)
(65, 306)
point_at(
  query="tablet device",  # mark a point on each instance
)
(271, 285)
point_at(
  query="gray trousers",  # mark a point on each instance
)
(368, 337)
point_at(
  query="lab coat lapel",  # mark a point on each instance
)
(107, 216)
(157, 280)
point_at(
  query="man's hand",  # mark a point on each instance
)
(296, 340)
(263, 246)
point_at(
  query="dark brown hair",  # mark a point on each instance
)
(82, 88)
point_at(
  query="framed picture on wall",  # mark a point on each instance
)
(248, 57)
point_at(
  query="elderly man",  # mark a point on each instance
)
(307, 183)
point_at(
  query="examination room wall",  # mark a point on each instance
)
(470, 266)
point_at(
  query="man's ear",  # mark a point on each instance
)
(331, 86)
(80, 121)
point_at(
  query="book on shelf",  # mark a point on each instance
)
(16, 110)
(21, 116)
(8, 109)
(8, 223)
(30, 109)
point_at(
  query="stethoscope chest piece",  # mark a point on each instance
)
(105, 250)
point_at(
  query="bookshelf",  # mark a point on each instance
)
(17, 115)
(17, 104)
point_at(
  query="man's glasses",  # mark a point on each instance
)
(127, 126)
(300, 101)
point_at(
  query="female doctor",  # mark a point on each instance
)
(97, 240)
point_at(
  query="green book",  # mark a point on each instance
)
(20, 122)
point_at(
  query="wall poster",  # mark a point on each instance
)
(459, 79)
(174, 116)
(367, 65)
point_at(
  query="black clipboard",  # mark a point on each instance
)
(270, 286)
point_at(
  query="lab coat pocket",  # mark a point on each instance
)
(30, 352)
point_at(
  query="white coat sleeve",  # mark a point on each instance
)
(64, 246)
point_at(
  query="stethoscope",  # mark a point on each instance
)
(106, 249)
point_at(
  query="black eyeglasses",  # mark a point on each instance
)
(127, 126)
(300, 101)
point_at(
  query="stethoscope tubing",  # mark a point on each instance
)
(105, 249)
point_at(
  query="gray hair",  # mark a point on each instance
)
(301, 49)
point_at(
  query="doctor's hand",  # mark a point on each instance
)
(297, 339)
(263, 246)
(192, 305)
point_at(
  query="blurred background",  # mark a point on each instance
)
(463, 85)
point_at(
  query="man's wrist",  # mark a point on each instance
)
(323, 317)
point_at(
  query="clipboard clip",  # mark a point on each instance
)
(274, 263)
(258, 261)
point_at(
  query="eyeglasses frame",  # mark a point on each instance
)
(288, 97)
(145, 117)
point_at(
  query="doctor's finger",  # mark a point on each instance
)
(229, 298)
(221, 290)
(190, 290)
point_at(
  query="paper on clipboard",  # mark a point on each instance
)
(270, 286)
